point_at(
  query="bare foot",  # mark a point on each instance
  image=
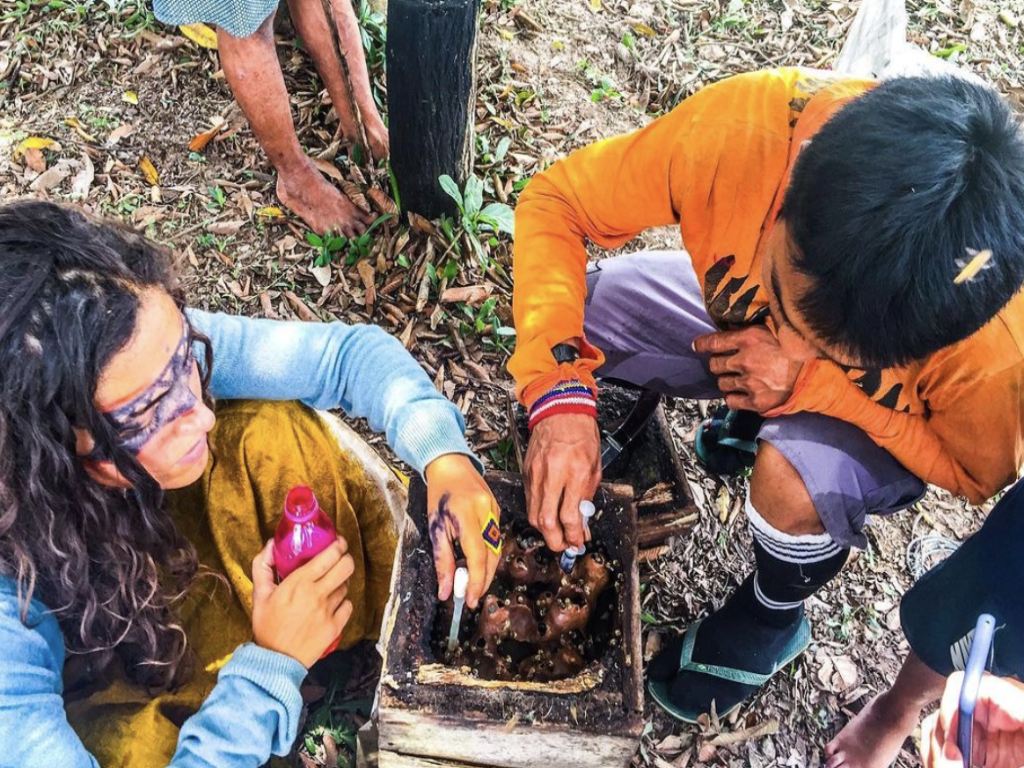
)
(874, 737)
(377, 135)
(309, 196)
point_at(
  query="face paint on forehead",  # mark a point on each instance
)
(163, 401)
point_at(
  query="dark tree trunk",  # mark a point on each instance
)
(431, 49)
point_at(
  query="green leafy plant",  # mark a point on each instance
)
(486, 323)
(218, 199)
(330, 245)
(477, 218)
(950, 51)
(605, 90)
(603, 87)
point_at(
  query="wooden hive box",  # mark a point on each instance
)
(429, 714)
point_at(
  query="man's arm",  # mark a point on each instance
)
(970, 444)
(721, 152)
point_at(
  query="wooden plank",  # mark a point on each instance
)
(387, 759)
(430, 49)
(483, 743)
(439, 674)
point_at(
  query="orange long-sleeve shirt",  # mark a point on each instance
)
(718, 166)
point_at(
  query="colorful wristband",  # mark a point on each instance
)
(566, 397)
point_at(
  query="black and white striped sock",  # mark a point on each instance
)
(789, 568)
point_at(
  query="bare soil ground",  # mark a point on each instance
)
(113, 89)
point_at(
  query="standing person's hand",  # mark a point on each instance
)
(563, 467)
(461, 507)
(308, 610)
(998, 726)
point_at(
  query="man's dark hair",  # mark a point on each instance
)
(885, 203)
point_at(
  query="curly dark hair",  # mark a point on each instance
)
(108, 562)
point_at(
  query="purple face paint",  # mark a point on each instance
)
(167, 398)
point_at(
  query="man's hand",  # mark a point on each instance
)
(563, 467)
(755, 370)
(459, 506)
(998, 726)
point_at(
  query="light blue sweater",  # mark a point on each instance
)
(254, 709)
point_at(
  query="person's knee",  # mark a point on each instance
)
(779, 495)
(229, 44)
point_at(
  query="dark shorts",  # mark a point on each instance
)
(645, 309)
(985, 575)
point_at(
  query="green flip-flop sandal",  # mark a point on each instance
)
(726, 442)
(659, 689)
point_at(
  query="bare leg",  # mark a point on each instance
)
(311, 24)
(874, 737)
(254, 74)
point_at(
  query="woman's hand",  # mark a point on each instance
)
(998, 726)
(461, 507)
(307, 611)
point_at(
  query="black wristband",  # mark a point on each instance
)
(565, 353)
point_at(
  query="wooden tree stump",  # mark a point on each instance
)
(431, 49)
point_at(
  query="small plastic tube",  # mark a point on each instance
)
(459, 592)
(569, 555)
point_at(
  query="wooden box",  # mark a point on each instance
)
(429, 714)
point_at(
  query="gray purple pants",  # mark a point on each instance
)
(645, 309)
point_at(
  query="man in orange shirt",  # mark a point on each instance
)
(880, 227)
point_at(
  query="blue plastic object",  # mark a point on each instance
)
(977, 661)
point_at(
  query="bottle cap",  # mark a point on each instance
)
(461, 582)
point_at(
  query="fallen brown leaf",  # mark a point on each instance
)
(200, 140)
(381, 201)
(301, 308)
(767, 728)
(82, 182)
(149, 170)
(469, 294)
(366, 272)
(225, 228)
(421, 224)
(353, 193)
(123, 131)
(329, 169)
(35, 160)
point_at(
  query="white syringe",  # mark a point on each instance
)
(569, 555)
(459, 593)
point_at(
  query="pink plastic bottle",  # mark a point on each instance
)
(303, 533)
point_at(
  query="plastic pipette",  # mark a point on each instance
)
(459, 591)
(569, 555)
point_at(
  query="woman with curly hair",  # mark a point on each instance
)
(120, 489)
